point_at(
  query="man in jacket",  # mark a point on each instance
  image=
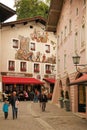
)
(13, 100)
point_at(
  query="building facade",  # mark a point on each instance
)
(71, 28)
(26, 51)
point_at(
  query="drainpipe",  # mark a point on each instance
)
(86, 50)
(0, 46)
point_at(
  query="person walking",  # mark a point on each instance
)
(43, 100)
(13, 100)
(5, 108)
(16, 107)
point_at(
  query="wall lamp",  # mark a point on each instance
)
(76, 60)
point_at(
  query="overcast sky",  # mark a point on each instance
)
(9, 3)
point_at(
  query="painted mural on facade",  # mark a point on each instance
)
(25, 52)
(39, 36)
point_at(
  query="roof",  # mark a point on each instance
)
(5, 12)
(81, 80)
(25, 21)
(54, 15)
(20, 80)
(50, 80)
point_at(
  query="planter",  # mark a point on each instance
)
(67, 104)
(61, 102)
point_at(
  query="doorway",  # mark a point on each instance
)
(81, 98)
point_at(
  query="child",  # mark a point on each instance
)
(5, 108)
(16, 106)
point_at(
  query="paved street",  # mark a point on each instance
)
(32, 118)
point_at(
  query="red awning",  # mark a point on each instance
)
(81, 80)
(50, 80)
(20, 80)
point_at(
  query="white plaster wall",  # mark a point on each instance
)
(8, 52)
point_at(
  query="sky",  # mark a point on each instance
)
(9, 3)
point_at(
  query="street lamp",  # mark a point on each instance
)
(76, 60)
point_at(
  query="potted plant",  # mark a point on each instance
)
(61, 99)
(67, 101)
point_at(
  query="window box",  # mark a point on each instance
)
(11, 68)
(47, 51)
(36, 70)
(48, 71)
(23, 69)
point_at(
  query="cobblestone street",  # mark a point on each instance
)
(32, 118)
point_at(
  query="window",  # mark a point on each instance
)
(65, 31)
(23, 66)
(64, 61)
(15, 43)
(48, 69)
(61, 36)
(76, 41)
(83, 35)
(32, 47)
(11, 65)
(76, 11)
(70, 1)
(36, 68)
(84, 2)
(70, 25)
(47, 48)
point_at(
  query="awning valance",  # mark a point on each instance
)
(50, 80)
(81, 80)
(20, 80)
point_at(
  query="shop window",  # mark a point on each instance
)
(47, 48)
(36, 68)
(11, 65)
(23, 66)
(32, 47)
(48, 69)
(15, 43)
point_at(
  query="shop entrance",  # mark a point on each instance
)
(81, 98)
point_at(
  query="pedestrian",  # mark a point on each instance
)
(5, 108)
(43, 100)
(16, 107)
(12, 101)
